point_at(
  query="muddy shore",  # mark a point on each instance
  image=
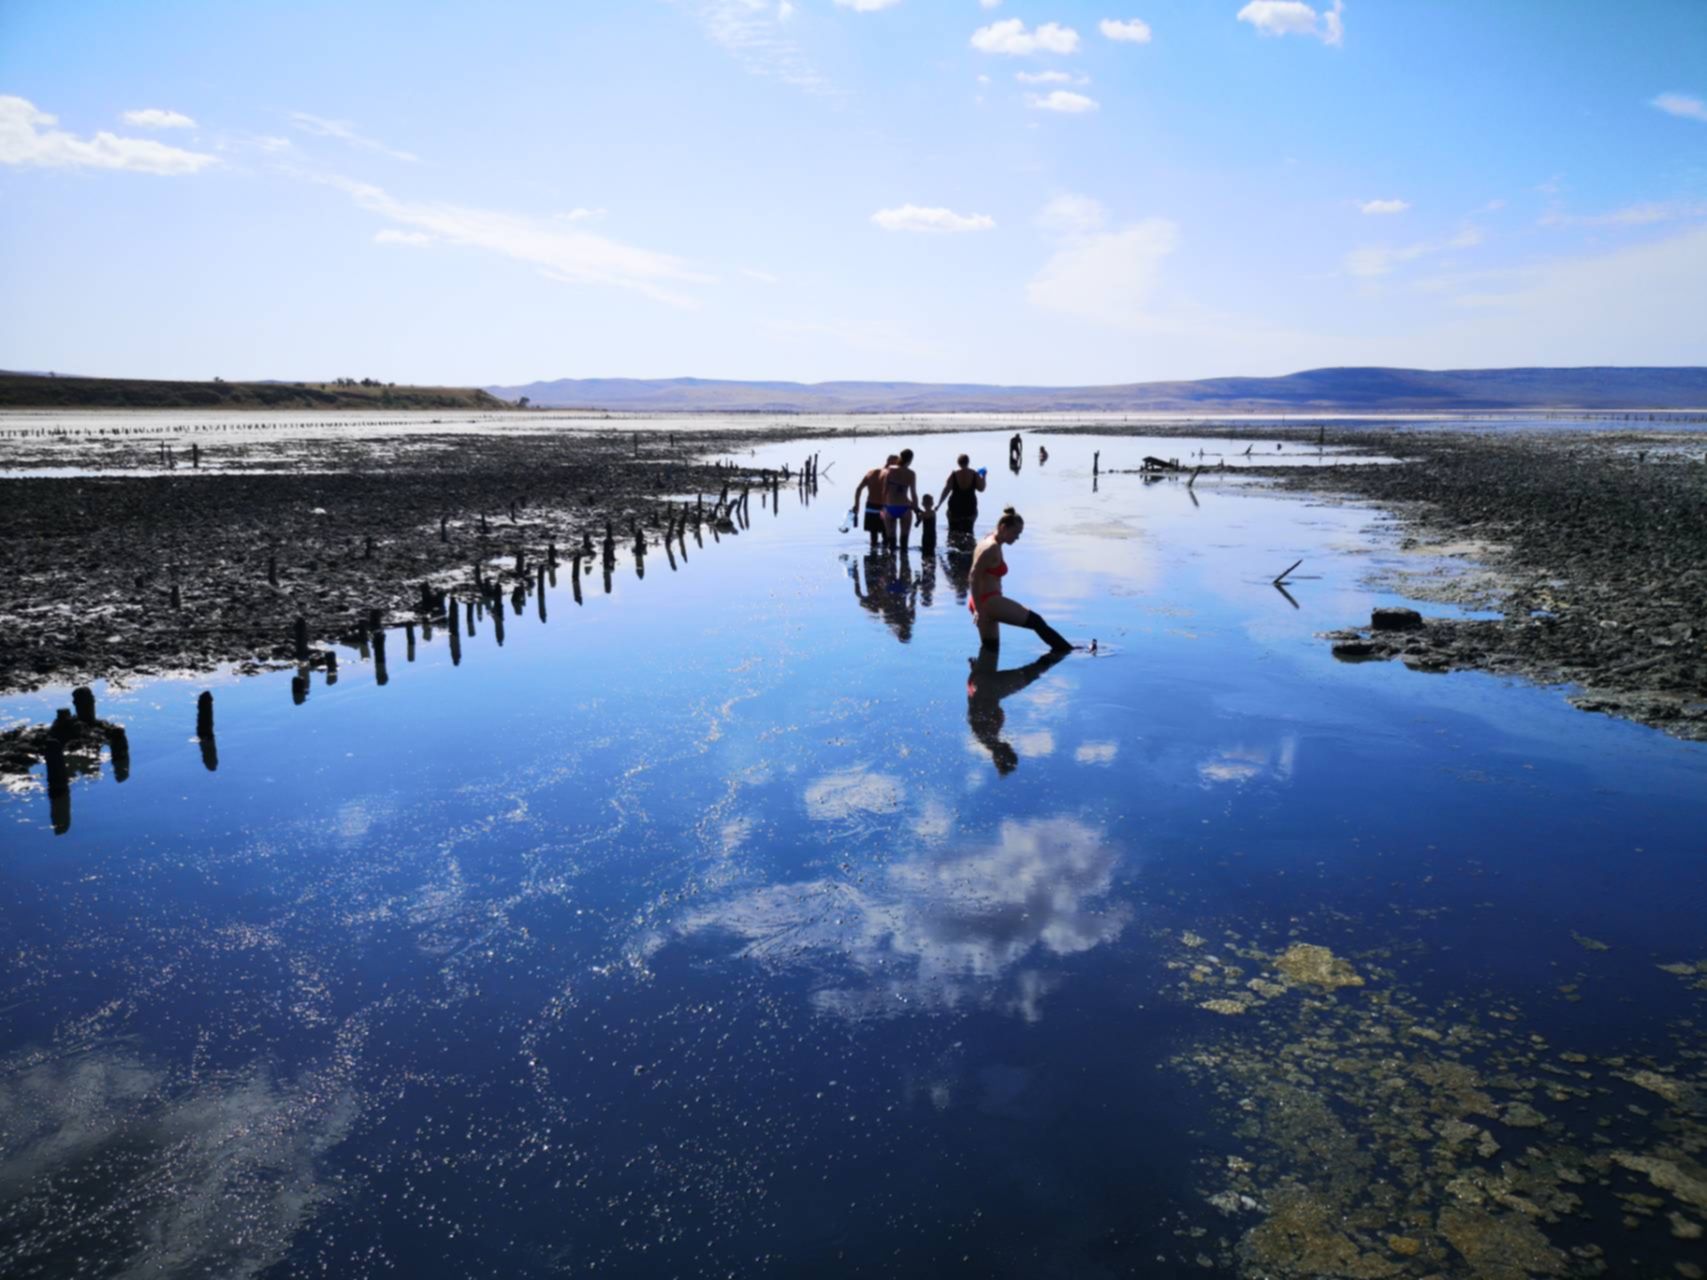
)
(125, 576)
(1592, 545)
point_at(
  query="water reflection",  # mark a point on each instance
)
(890, 591)
(1241, 763)
(939, 932)
(986, 686)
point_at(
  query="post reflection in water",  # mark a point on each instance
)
(985, 688)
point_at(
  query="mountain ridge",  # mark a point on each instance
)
(1334, 389)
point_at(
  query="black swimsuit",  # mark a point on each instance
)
(962, 507)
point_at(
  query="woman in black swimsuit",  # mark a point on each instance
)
(960, 493)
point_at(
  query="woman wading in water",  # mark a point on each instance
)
(960, 493)
(990, 608)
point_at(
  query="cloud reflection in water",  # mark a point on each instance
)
(940, 932)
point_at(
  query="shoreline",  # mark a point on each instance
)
(1591, 543)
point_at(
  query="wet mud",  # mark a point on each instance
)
(124, 576)
(1592, 547)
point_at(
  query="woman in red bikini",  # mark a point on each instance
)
(990, 608)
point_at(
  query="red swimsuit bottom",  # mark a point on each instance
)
(998, 572)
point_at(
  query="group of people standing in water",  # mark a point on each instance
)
(891, 504)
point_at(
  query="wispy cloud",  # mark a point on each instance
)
(866, 6)
(1071, 214)
(1106, 276)
(321, 127)
(1127, 30)
(27, 137)
(1371, 261)
(1050, 77)
(1682, 105)
(751, 32)
(581, 215)
(912, 217)
(562, 253)
(1295, 18)
(1632, 215)
(1383, 206)
(158, 118)
(1062, 100)
(1010, 36)
(409, 239)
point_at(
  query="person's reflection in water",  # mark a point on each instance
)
(890, 591)
(927, 581)
(985, 689)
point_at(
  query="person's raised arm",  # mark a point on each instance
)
(979, 482)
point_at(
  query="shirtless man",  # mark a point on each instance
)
(871, 484)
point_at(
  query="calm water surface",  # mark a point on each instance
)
(733, 922)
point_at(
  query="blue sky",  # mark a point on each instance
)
(939, 190)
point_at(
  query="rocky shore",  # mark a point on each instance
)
(1591, 545)
(124, 576)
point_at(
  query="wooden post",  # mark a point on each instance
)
(58, 777)
(273, 571)
(177, 598)
(301, 640)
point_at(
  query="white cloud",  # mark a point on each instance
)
(989, 4)
(581, 215)
(321, 127)
(1384, 206)
(158, 118)
(1106, 276)
(750, 31)
(1634, 215)
(1009, 36)
(1050, 77)
(1682, 105)
(1295, 18)
(1127, 30)
(1370, 261)
(27, 137)
(938, 931)
(568, 255)
(866, 6)
(412, 239)
(1063, 100)
(912, 217)
(762, 277)
(1071, 214)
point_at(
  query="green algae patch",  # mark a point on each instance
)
(1685, 1180)
(1302, 1233)
(1506, 1247)
(1306, 965)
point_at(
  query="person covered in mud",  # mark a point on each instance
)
(960, 498)
(900, 499)
(985, 689)
(871, 485)
(989, 605)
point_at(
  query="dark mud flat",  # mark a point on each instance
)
(88, 565)
(1599, 547)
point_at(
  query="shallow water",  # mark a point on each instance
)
(730, 922)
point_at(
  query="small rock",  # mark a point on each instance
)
(1396, 620)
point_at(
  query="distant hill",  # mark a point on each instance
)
(37, 391)
(1371, 390)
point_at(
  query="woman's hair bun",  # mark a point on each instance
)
(1009, 513)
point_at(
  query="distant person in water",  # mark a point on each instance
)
(990, 607)
(871, 484)
(1015, 446)
(900, 499)
(927, 525)
(960, 492)
(1042, 455)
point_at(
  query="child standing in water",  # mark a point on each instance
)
(927, 524)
